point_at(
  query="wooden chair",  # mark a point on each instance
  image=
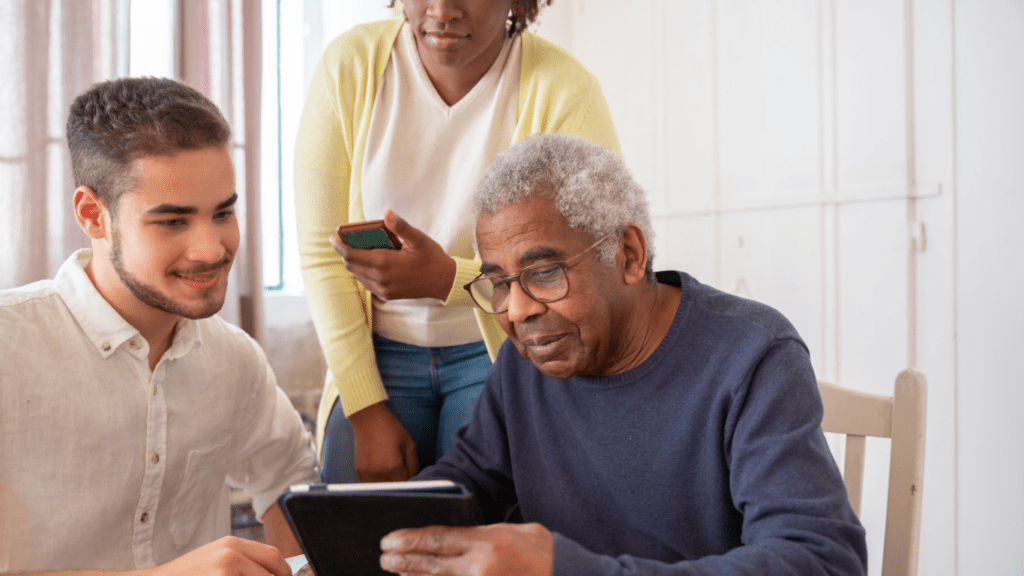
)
(900, 417)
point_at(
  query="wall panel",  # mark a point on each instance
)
(615, 39)
(870, 96)
(872, 294)
(774, 256)
(688, 114)
(990, 309)
(933, 132)
(768, 99)
(687, 244)
(872, 329)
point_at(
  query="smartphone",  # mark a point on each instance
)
(368, 235)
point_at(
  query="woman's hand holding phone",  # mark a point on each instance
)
(417, 268)
(370, 234)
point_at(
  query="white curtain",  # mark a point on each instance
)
(221, 56)
(52, 50)
(49, 52)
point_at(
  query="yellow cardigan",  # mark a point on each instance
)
(556, 94)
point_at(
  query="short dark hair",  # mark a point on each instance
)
(119, 121)
(524, 13)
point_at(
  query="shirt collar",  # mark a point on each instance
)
(187, 336)
(107, 329)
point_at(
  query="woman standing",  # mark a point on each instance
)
(402, 118)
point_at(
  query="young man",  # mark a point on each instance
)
(644, 423)
(127, 407)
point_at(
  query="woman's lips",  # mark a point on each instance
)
(444, 40)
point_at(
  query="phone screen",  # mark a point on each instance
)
(366, 239)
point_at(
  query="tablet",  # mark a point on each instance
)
(339, 526)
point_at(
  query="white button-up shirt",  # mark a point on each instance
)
(105, 464)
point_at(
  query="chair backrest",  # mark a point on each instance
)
(900, 417)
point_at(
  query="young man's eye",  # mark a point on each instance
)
(172, 223)
(224, 214)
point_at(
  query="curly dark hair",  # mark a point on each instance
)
(119, 121)
(524, 13)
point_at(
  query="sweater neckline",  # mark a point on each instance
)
(674, 278)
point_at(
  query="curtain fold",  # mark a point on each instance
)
(50, 50)
(221, 55)
(33, 255)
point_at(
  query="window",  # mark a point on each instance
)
(151, 38)
(295, 33)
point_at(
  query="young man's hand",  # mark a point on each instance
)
(494, 550)
(228, 556)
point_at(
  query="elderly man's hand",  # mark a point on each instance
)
(498, 549)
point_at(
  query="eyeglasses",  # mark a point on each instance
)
(544, 282)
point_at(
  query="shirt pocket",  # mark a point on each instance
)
(197, 502)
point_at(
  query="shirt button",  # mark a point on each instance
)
(134, 344)
(145, 516)
(105, 346)
(155, 459)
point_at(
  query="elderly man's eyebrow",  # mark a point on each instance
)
(535, 255)
(542, 253)
(488, 269)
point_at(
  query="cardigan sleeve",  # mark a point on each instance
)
(327, 149)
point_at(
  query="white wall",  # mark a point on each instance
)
(990, 203)
(854, 164)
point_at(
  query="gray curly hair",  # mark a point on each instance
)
(589, 184)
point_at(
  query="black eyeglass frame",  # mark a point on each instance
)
(507, 280)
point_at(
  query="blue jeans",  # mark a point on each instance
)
(431, 391)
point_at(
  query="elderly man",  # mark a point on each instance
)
(641, 422)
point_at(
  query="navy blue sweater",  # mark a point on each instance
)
(708, 458)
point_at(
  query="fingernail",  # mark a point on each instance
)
(388, 542)
(388, 561)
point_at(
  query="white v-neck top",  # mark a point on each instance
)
(423, 160)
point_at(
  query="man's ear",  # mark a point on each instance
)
(633, 250)
(91, 213)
